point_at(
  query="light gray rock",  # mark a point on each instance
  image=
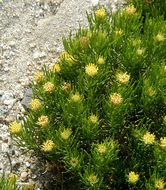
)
(27, 97)
(24, 176)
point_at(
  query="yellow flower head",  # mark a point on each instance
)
(163, 142)
(48, 87)
(92, 179)
(101, 148)
(123, 78)
(35, 104)
(159, 38)
(56, 68)
(93, 119)
(30, 186)
(100, 14)
(116, 99)
(133, 177)
(164, 68)
(48, 146)
(119, 32)
(11, 178)
(66, 87)
(15, 128)
(151, 92)
(89, 34)
(74, 162)
(84, 41)
(91, 70)
(140, 51)
(148, 138)
(101, 61)
(65, 134)
(38, 77)
(130, 10)
(164, 119)
(136, 42)
(75, 97)
(67, 58)
(159, 184)
(43, 121)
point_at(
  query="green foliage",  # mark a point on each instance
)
(152, 8)
(9, 183)
(100, 111)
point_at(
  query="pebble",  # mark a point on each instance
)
(9, 102)
(27, 164)
(24, 176)
(11, 43)
(39, 54)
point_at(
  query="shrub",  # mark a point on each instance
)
(152, 8)
(8, 183)
(99, 112)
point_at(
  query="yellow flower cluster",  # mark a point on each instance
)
(91, 70)
(148, 138)
(92, 179)
(48, 146)
(11, 178)
(15, 128)
(151, 92)
(163, 142)
(66, 87)
(164, 68)
(84, 41)
(35, 104)
(119, 32)
(38, 77)
(136, 42)
(116, 99)
(101, 61)
(48, 87)
(100, 14)
(123, 78)
(74, 162)
(93, 119)
(159, 37)
(130, 10)
(101, 148)
(140, 51)
(67, 58)
(159, 184)
(56, 68)
(65, 134)
(76, 97)
(164, 119)
(43, 121)
(133, 177)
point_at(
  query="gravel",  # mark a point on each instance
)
(31, 34)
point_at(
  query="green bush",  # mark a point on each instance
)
(99, 112)
(8, 183)
(150, 8)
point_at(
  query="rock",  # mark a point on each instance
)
(9, 102)
(11, 43)
(4, 147)
(24, 176)
(39, 54)
(10, 118)
(27, 97)
(94, 2)
(27, 164)
(6, 69)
